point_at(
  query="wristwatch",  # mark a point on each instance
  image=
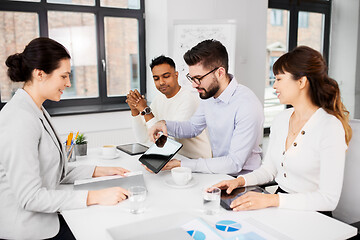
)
(146, 111)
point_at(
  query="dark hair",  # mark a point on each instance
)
(210, 53)
(41, 53)
(324, 91)
(161, 60)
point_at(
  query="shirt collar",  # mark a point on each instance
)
(229, 91)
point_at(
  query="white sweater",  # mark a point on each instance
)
(312, 169)
(178, 108)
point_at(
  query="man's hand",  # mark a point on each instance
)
(109, 171)
(172, 164)
(140, 100)
(154, 131)
(131, 101)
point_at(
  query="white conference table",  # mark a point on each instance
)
(163, 200)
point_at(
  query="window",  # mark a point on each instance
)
(18, 29)
(276, 45)
(313, 34)
(302, 23)
(271, 73)
(303, 19)
(121, 38)
(276, 17)
(107, 48)
(76, 31)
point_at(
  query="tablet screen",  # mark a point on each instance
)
(160, 153)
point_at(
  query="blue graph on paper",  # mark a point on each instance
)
(228, 226)
(197, 235)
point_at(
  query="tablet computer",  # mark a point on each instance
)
(226, 199)
(160, 153)
(133, 148)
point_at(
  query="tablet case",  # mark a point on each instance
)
(156, 161)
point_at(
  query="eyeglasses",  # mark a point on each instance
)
(198, 79)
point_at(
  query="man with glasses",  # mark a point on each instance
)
(175, 103)
(231, 112)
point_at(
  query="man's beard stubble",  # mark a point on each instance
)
(213, 89)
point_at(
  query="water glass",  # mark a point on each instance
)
(137, 196)
(211, 200)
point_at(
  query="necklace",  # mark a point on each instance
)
(294, 131)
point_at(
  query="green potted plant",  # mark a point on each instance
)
(81, 145)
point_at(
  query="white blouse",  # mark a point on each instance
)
(312, 169)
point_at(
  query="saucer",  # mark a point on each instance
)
(110, 157)
(170, 182)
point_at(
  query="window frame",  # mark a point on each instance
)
(102, 103)
(294, 7)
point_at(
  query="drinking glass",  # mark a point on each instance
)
(211, 200)
(137, 196)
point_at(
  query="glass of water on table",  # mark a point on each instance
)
(137, 196)
(211, 200)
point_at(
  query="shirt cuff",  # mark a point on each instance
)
(190, 163)
(170, 126)
(245, 183)
(250, 179)
(151, 122)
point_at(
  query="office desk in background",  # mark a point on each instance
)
(162, 200)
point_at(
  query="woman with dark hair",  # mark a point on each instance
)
(32, 162)
(306, 152)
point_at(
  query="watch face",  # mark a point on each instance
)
(147, 110)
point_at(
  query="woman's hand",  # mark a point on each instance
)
(230, 185)
(109, 171)
(107, 196)
(254, 200)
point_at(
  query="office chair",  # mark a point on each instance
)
(348, 209)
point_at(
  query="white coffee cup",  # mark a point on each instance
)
(181, 175)
(108, 150)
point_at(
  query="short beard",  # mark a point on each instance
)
(213, 89)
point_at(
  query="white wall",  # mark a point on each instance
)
(100, 128)
(344, 49)
(250, 16)
(357, 77)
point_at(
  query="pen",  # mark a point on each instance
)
(77, 134)
(68, 142)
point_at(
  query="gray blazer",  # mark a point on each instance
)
(32, 165)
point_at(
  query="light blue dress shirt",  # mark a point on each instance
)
(235, 125)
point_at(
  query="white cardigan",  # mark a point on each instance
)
(312, 169)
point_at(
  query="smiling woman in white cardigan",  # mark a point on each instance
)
(32, 162)
(306, 152)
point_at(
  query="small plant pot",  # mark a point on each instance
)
(81, 150)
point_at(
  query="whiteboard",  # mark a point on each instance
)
(188, 34)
